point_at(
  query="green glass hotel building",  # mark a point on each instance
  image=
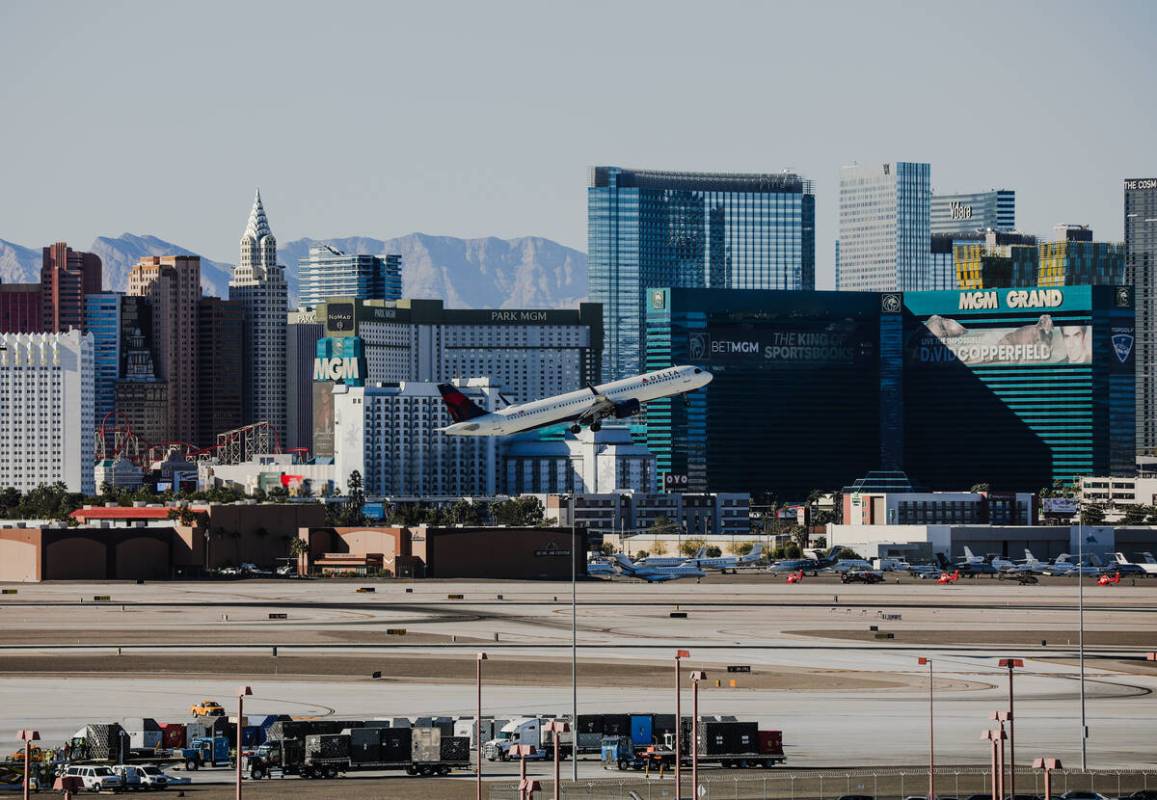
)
(1015, 388)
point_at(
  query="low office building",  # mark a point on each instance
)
(1115, 492)
(889, 499)
(499, 552)
(591, 462)
(47, 426)
(57, 552)
(358, 550)
(925, 542)
(689, 513)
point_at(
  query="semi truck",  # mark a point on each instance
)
(726, 742)
(527, 730)
(417, 751)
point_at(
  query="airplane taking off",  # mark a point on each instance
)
(615, 400)
(656, 574)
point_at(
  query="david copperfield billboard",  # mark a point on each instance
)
(944, 340)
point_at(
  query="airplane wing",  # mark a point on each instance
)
(602, 407)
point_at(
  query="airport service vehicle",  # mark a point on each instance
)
(615, 400)
(153, 777)
(848, 564)
(1147, 566)
(206, 751)
(94, 778)
(207, 708)
(655, 574)
(131, 776)
(948, 577)
(890, 565)
(1022, 578)
(1109, 580)
(531, 731)
(862, 576)
(725, 563)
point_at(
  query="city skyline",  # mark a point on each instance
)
(518, 168)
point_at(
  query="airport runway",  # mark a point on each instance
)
(853, 701)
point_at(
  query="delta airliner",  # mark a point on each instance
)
(614, 400)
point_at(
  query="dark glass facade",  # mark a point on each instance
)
(690, 230)
(1018, 388)
(1013, 388)
(805, 393)
(1141, 272)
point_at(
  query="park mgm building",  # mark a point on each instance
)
(526, 354)
(1015, 388)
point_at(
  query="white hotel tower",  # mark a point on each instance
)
(258, 282)
(47, 402)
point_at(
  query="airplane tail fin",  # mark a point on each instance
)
(968, 552)
(756, 552)
(460, 407)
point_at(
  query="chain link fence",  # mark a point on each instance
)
(830, 784)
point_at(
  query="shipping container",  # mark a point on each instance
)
(395, 745)
(642, 730)
(591, 723)
(454, 749)
(771, 743)
(426, 745)
(172, 735)
(616, 725)
(326, 747)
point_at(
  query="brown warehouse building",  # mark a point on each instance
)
(466, 552)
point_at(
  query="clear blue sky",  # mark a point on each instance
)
(481, 118)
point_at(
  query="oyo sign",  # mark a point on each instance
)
(337, 369)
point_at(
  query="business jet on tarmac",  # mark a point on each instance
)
(1148, 566)
(668, 561)
(1028, 566)
(615, 400)
(725, 563)
(656, 574)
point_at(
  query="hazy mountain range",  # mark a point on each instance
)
(526, 272)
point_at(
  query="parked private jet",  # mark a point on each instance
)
(615, 400)
(669, 561)
(726, 563)
(1148, 565)
(656, 574)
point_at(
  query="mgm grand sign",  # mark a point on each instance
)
(1018, 298)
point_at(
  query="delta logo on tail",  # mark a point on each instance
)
(460, 407)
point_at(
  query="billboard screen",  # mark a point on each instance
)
(322, 419)
(943, 340)
(803, 343)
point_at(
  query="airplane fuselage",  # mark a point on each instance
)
(583, 403)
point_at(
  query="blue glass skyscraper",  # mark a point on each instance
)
(103, 318)
(649, 229)
(885, 227)
(328, 272)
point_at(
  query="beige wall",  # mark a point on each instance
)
(19, 556)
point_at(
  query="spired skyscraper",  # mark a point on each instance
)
(885, 228)
(258, 284)
(650, 229)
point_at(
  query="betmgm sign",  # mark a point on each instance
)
(340, 360)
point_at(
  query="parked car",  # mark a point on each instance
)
(855, 797)
(1142, 794)
(130, 775)
(1083, 796)
(95, 779)
(861, 576)
(153, 777)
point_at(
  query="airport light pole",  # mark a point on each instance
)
(990, 737)
(555, 727)
(242, 693)
(696, 678)
(1081, 629)
(28, 737)
(1047, 765)
(573, 630)
(1010, 664)
(679, 654)
(931, 731)
(1000, 717)
(478, 726)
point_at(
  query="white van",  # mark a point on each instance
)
(890, 565)
(95, 779)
